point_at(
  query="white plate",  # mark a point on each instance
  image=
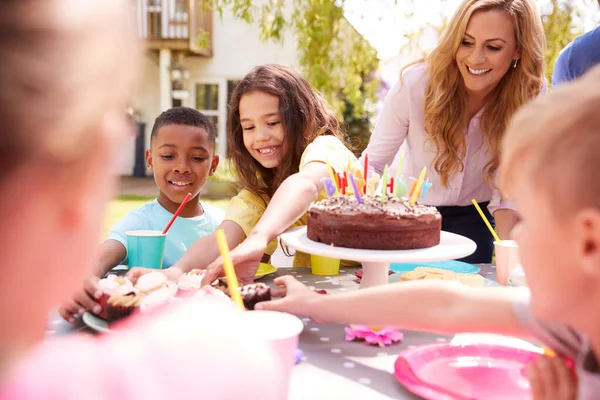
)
(452, 246)
(95, 322)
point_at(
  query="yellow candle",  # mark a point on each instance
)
(232, 281)
(415, 194)
(332, 176)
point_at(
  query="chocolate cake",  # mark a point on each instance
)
(392, 225)
(251, 294)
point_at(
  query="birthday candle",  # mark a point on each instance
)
(417, 191)
(329, 186)
(425, 187)
(384, 184)
(371, 182)
(342, 183)
(401, 187)
(332, 176)
(400, 164)
(391, 185)
(366, 171)
(356, 191)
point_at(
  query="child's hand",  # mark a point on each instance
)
(83, 300)
(551, 379)
(298, 300)
(245, 257)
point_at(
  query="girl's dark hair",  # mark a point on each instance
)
(305, 116)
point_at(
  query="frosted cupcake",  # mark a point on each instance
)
(153, 281)
(157, 299)
(190, 282)
(112, 285)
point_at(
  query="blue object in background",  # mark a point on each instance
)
(451, 265)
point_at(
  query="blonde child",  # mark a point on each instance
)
(66, 69)
(281, 134)
(549, 167)
(181, 158)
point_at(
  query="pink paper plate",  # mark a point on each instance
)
(470, 371)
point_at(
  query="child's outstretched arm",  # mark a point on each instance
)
(289, 203)
(441, 307)
(111, 253)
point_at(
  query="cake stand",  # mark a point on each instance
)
(376, 263)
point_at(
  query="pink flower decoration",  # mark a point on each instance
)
(379, 336)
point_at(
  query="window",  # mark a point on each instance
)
(207, 97)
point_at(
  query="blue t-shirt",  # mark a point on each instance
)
(579, 56)
(181, 235)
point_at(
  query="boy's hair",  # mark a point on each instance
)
(555, 142)
(184, 116)
(305, 115)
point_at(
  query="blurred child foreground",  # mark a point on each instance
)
(67, 67)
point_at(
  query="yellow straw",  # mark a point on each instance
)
(486, 221)
(417, 191)
(332, 176)
(232, 281)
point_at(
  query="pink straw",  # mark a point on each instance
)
(187, 197)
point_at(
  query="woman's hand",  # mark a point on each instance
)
(551, 379)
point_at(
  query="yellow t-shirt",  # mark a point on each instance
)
(247, 208)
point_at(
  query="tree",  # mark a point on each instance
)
(334, 58)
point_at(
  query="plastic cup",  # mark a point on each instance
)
(324, 266)
(145, 248)
(281, 330)
(507, 259)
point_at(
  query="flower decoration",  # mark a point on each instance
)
(381, 337)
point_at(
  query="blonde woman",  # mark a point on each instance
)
(451, 110)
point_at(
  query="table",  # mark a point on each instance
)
(333, 368)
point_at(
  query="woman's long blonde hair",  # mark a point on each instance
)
(446, 111)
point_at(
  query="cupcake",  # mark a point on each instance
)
(255, 293)
(151, 281)
(111, 285)
(190, 282)
(122, 305)
(209, 291)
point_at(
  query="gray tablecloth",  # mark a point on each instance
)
(333, 368)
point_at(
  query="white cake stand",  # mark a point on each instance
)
(376, 263)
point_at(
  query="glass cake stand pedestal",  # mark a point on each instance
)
(376, 263)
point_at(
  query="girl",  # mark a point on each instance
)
(452, 108)
(281, 134)
(66, 69)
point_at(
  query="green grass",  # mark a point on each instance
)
(123, 204)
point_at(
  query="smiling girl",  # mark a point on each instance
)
(281, 134)
(451, 110)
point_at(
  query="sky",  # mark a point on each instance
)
(385, 22)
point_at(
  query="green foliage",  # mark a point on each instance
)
(560, 30)
(334, 58)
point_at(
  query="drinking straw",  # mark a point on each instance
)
(185, 200)
(232, 282)
(417, 190)
(486, 221)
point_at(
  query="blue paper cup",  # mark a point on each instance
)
(145, 248)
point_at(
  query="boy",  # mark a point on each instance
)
(181, 157)
(549, 167)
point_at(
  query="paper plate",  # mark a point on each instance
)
(451, 265)
(264, 269)
(468, 371)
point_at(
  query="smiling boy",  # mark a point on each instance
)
(181, 158)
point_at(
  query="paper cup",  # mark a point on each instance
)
(145, 248)
(324, 266)
(507, 259)
(281, 331)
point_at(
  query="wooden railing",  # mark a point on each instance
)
(175, 24)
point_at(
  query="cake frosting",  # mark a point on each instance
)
(391, 224)
(151, 281)
(191, 280)
(114, 284)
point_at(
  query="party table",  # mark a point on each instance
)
(331, 367)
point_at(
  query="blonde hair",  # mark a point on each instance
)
(554, 143)
(65, 65)
(446, 111)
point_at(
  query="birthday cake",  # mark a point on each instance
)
(389, 225)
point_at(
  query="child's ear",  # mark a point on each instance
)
(588, 226)
(213, 165)
(149, 160)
